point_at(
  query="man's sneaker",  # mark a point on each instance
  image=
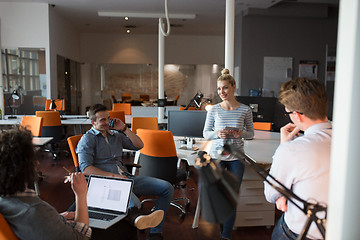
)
(149, 221)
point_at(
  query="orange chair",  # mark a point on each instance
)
(145, 97)
(125, 96)
(34, 124)
(190, 108)
(262, 126)
(122, 107)
(5, 231)
(144, 123)
(119, 115)
(176, 100)
(60, 104)
(158, 159)
(73, 141)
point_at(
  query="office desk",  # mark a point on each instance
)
(253, 209)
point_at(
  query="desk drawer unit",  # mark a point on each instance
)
(254, 218)
(253, 209)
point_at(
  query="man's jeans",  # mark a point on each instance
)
(282, 232)
(143, 186)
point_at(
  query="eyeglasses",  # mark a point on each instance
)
(287, 114)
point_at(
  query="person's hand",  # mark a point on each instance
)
(69, 216)
(78, 184)
(118, 124)
(234, 133)
(223, 133)
(281, 203)
(288, 132)
(229, 133)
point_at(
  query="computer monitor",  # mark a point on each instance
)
(188, 124)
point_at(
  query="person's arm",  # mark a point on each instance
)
(208, 131)
(79, 187)
(91, 170)
(120, 126)
(248, 133)
(281, 170)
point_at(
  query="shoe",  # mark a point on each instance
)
(155, 236)
(142, 221)
(149, 221)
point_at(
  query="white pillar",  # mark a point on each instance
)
(344, 207)
(229, 35)
(161, 56)
(1, 82)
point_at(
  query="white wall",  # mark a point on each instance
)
(26, 25)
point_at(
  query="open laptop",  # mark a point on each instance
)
(108, 200)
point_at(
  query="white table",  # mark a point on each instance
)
(40, 141)
(262, 147)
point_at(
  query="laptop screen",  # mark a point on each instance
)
(109, 193)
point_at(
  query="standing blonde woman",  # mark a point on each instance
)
(228, 120)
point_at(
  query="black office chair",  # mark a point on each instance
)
(158, 159)
(52, 128)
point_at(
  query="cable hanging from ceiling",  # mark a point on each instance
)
(167, 33)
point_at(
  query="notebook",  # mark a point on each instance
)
(108, 199)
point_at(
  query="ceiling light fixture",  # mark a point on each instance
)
(146, 15)
(126, 18)
(129, 27)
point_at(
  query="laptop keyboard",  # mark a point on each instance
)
(101, 216)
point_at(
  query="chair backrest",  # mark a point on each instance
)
(262, 126)
(60, 104)
(145, 97)
(190, 108)
(73, 141)
(118, 114)
(158, 156)
(144, 123)
(34, 124)
(125, 96)
(5, 231)
(122, 107)
(50, 118)
(51, 125)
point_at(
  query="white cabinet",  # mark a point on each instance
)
(253, 209)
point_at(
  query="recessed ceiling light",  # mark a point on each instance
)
(126, 18)
(128, 31)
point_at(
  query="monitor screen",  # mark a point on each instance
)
(186, 123)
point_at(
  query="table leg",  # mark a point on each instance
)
(197, 213)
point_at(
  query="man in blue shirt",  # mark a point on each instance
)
(100, 152)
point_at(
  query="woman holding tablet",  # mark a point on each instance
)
(233, 121)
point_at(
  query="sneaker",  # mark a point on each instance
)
(155, 236)
(149, 221)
